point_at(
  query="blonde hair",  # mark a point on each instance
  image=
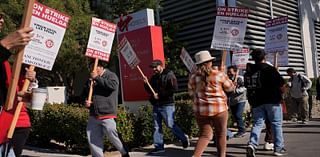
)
(205, 71)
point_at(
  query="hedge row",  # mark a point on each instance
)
(66, 124)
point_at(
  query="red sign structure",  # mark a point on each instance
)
(148, 45)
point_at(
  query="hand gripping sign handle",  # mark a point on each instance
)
(91, 83)
(18, 109)
(18, 61)
(154, 93)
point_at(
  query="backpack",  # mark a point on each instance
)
(303, 84)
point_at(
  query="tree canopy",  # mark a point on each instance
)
(71, 59)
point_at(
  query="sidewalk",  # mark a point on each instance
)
(301, 140)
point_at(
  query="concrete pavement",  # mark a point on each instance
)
(301, 140)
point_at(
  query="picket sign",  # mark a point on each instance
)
(131, 58)
(100, 43)
(187, 60)
(44, 43)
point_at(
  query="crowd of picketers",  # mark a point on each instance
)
(213, 93)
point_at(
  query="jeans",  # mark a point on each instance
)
(96, 129)
(167, 114)
(6, 150)
(237, 111)
(272, 112)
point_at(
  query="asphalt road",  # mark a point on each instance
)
(301, 140)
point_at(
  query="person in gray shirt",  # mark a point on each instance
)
(299, 84)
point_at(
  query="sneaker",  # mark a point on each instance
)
(126, 155)
(251, 152)
(280, 153)
(186, 144)
(239, 134)
(157, 151)
(304, 122)
(268, 146)
(294, 119)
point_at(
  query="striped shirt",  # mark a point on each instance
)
(210, 99)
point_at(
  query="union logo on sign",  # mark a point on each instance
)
(104, 43)
(279, 36)
(235, 32)
(49, 43)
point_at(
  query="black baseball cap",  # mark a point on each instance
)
(155, 63)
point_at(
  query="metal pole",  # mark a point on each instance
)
(271, 9)
(157, 12)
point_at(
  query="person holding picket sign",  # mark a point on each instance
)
(207, 87)
(164, 83)
(15, 40)
(103, 111)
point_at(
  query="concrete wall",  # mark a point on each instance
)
(309, 11)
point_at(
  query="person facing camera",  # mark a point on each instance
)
(164, 83)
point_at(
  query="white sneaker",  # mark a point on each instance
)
(268, 146)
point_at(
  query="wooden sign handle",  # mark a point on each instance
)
(275, 60)
(18, 108)
(153, 92)
(91, 83)
(223, 60)
(18, 62)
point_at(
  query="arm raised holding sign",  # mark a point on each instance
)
(17, 39)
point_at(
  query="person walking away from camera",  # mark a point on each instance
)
(13, 41)
(103, 111)
(207, 88)
(164, 83)
(264, 91)
(237, 99)
(298, 87)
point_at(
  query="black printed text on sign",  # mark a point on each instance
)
(49, 27)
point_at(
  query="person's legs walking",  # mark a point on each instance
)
(294, 104)
(206, 133)
(274, 112)
(220, 124)
(158, 133)
(110, 129)
(19, 139)
(95, 136)
(259, 116)
(269, 136)
(304, 109)
(168, 117)
(237, 112)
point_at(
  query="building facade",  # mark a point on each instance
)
(198, 18)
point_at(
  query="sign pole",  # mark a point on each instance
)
(153, 92)
(91, 83)
(18, 109)
(18, 62)
(223, 60)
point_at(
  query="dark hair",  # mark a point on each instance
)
(291, 70)
(233, 67)
(100, 63)
(258, 55)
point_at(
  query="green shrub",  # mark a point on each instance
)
(66, 124)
